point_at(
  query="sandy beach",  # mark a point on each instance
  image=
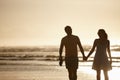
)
(49, 72)
(57, 74)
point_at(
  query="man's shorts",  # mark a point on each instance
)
(71, 62)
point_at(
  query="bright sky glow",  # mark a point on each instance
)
(42, 22)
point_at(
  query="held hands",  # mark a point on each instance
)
(84, 58)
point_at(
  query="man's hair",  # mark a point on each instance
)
(68, 29)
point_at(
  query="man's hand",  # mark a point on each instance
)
(60, 61)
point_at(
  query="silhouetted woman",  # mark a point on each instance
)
(101, 61)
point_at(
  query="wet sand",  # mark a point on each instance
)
(59, 74)
(49, 71)
(39, 70)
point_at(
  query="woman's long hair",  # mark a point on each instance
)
(102, 34)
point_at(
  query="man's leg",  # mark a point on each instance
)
(72, 74)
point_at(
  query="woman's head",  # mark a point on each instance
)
(102, 34)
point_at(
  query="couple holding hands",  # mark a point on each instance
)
(100, 62)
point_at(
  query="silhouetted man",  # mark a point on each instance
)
(70, 42)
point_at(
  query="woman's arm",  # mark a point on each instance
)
(109, 52)
(93, 48)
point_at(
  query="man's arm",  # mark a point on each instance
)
(81, 49)
(60, 53)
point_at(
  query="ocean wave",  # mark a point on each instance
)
(45, 58)
(47, 49)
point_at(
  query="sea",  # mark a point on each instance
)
(42, 63)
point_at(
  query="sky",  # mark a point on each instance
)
(42, 22)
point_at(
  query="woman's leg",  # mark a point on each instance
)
(106, 74)
(98, 74)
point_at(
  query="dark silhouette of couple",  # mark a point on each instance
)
(101, 62)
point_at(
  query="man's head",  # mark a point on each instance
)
(68, 30)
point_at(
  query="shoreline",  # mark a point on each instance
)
(45, 63)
